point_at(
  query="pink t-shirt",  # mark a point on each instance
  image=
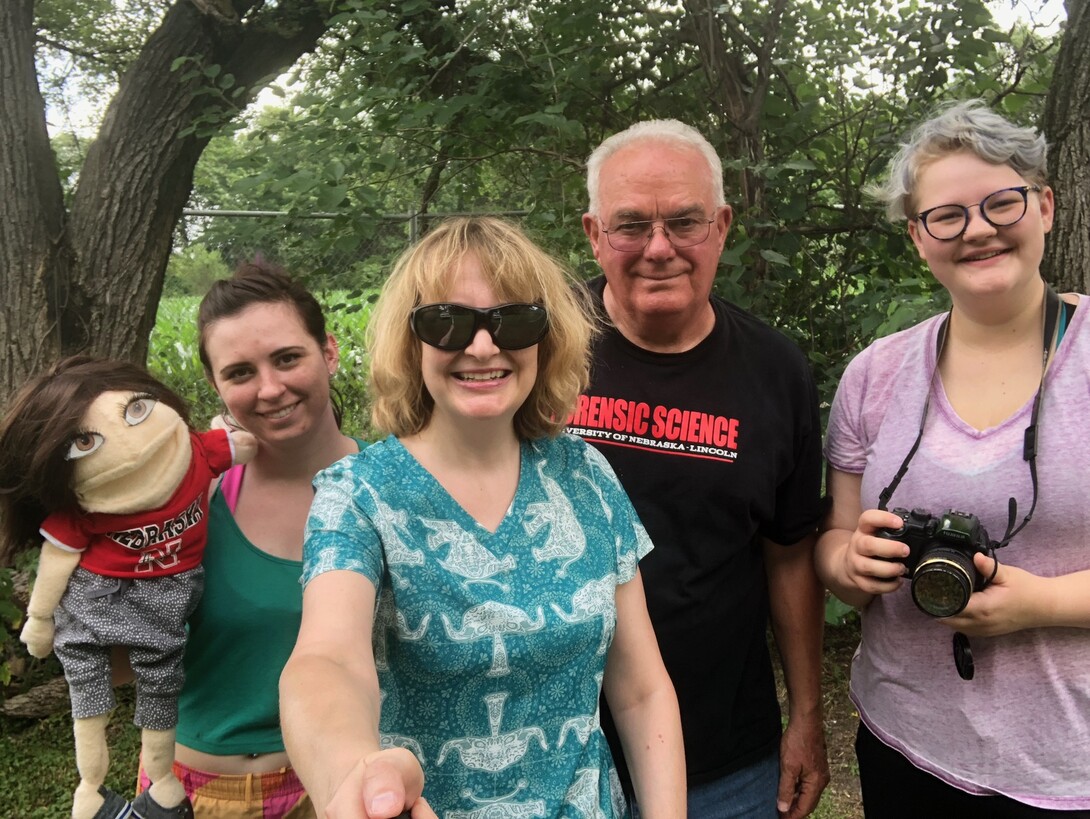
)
(1021, 727)
(163, 541)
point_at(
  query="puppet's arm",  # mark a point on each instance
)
(243, 445)
(55, 567)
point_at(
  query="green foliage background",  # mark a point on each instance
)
(487, 105)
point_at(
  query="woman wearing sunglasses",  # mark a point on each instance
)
(972, 679)
(471, 581)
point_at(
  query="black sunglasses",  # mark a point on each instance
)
(452, 327)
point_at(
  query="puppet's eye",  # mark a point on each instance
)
(83, 445)
(139, 409)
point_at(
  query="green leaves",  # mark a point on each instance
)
(10, 620)
(490, 106)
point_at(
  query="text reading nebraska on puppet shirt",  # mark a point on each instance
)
(619, 419)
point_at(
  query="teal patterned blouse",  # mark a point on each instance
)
(490, 646)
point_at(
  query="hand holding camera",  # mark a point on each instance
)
(940, 558)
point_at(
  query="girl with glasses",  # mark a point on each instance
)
(972, 679)
(471, 580)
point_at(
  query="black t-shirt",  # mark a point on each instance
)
(717, 447)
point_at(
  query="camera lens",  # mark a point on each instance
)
(943, 581)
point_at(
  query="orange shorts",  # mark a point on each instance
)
(274, 795)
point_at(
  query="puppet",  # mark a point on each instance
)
(99, 464)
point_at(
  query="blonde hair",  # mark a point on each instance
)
(516, 270)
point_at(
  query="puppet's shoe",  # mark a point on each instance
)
(144, 807)
(114, 806)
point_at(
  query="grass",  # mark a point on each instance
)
(37, 762)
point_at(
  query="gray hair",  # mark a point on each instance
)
(668, 131)
(962, 126)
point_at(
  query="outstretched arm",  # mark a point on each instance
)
(797, 609)
(55, 567)
(329, 709)
(644, 707)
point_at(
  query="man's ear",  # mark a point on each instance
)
(724, 215)
(592, 228)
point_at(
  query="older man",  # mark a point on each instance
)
(709, 418)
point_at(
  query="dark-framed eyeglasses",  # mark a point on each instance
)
(681, 231)
(452, 327)
(1000, 209)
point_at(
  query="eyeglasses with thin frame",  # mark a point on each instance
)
(680, 231)
(1002, 208)
(452, 327)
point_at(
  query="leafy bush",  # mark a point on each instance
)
(191, 271)
(837, 612)
(173, 357)
(11, 618)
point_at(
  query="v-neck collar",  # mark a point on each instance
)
(511, 517)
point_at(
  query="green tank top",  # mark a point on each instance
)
(239, 640)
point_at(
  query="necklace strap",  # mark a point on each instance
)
(1029, 439)
(1052, 306)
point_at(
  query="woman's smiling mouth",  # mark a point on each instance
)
(283, 412)
(491, 375)
(984, 256)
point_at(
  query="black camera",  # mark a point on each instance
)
(940, 557)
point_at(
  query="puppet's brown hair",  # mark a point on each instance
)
(40, 422)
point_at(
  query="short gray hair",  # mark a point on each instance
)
(961, 126)
(668, 131)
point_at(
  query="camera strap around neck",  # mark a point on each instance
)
(1029, 446)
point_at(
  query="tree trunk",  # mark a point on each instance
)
(91, 282)
(738, 92)
(1067, 127)
(34, 261)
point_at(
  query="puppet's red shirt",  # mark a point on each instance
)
(162, 541)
